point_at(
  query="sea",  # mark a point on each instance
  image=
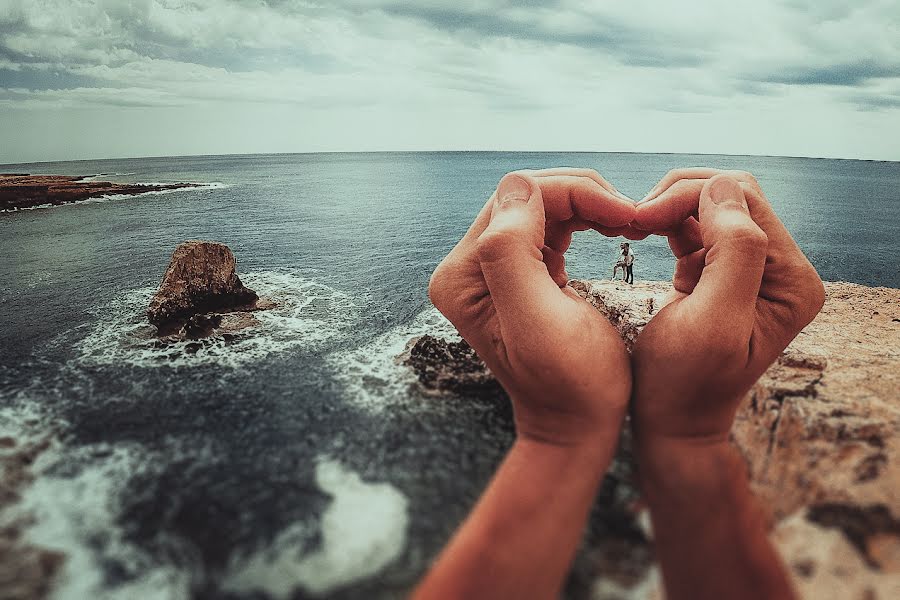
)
(300, 460)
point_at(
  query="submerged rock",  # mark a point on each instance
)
(199, 289)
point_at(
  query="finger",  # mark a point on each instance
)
(556, 265)
(558, 234)
(580, 172)
(726, 294)
(627, 232)
(687, 239)
(510, 254)
(568, 196)
(688, 270)
(676, 175)
(668, 210)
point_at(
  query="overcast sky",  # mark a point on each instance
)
(113, 78)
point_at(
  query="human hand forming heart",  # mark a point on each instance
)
(504, 288)
(742, 290)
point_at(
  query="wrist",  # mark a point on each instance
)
(577, 433)
(689, 466)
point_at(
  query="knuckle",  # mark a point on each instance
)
(750, 243)
(494, 244)
(751, 192)
(748, 234)
(440, 288)
(747, 177)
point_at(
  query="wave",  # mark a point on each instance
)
(362, 531)
(97, 176)
(372, 375)
(308, 315)
(77, 515)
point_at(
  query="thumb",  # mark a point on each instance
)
(735, 259)
(509, 251)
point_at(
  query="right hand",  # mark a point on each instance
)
(742, 291)
(504, 288)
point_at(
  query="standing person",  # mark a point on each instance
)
(620, 262)
(628, 253)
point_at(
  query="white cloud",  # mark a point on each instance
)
(481, 71)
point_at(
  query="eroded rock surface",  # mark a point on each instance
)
(443, 366)
(20, 190)
(820, 432)
(201, 294)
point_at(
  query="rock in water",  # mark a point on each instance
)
(200, 279)
(450, 367)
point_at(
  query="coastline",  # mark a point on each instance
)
(22, 191)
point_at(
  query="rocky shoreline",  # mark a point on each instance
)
(22, 191)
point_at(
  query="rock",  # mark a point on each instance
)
(444, 367)
(201, 279)
(628, 307)
(18, 191)
(820, 432)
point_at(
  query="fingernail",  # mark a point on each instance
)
(513, 190)
(726, 189)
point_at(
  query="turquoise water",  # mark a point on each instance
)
(239, 470)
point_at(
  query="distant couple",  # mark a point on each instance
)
(626, 263)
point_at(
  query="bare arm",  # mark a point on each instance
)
(520, 539)
(742, 292)
(566, 371)
(709, 533)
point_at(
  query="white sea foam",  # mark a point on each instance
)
(77, 515)
(372, 375)
(308, 314)
(363, 530)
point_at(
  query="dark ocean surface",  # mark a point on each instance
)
(297, 461)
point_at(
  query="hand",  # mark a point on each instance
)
(564, 367)
(503, 287)
(742, 291)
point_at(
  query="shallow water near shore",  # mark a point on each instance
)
(299, 461)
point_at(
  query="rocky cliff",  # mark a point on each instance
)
(820, 432)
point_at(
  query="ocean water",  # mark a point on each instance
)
(298, 461)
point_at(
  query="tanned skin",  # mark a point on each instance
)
(570, 379)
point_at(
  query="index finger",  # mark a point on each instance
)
(566, 197)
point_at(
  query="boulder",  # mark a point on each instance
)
(201, 279)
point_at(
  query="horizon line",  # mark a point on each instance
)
(239, 154)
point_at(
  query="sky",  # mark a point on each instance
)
(86, 79)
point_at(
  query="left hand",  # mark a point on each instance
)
(504, 288)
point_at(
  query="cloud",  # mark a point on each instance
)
(494, 61)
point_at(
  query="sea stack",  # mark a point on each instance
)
(201, 279)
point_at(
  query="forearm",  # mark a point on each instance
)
(710, 535)
(520, 539)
